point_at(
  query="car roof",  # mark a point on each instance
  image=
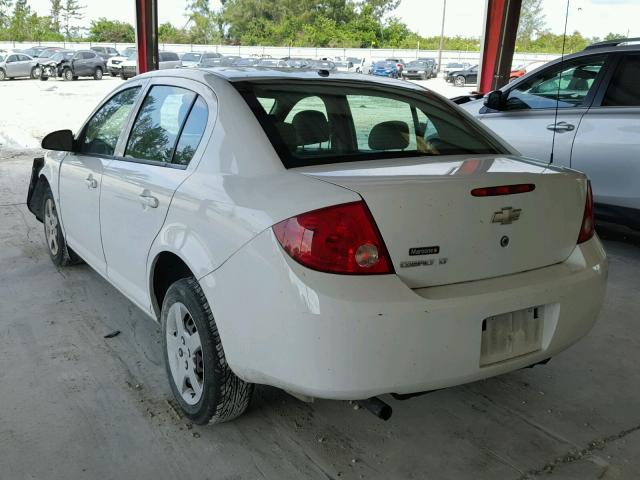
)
(257, 74)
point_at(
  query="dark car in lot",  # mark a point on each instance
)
(106, 52)
(461, 77)
(419, 69)
(386, 69)
(34, 51)
(72, 65)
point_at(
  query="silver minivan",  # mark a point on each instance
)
(597, 125)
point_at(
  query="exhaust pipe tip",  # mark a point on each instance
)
(377, 407)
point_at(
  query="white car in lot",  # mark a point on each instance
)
(335, 237)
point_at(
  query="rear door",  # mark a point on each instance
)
(606, 145)
(161, 151)
(81, 175)
(530, 120)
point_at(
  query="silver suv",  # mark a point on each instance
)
(597, 129)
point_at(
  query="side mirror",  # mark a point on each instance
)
(495, 100)
(60, 140)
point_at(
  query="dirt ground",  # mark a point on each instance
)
(75, 404)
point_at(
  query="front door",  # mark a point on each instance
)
(81, 176)
(553, 100)
(138, 186)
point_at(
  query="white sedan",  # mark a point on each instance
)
(336, 237)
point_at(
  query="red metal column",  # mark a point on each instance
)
(498, 43)
(147, 34)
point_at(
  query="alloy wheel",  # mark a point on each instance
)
(51, 226)
(184, 353)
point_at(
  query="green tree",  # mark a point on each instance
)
(532, 22)
(5, 17)
(167, 33)
(203, 22)
(614, 36)
(19, 27)
(103, 30)
(71, 11)
(56, 11)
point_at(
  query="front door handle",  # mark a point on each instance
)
(91, 182)
(561, 127)
(148, 200)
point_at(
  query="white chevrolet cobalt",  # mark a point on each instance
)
(334, 236)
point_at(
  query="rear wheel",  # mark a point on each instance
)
(202, 382)
(61, 255)
(67, 74)
(98, 74)
(459, 81)
(3, 75)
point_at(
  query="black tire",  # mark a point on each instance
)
(61, 255)
(97, 75)
(224, 396)
(44, 78)
(3, 75)
(460, 81)
(67, 74)
(34, 73)
(113, 74)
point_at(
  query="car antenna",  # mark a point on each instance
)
(555, 118)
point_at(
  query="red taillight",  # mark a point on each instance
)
(503, 190)
(339, 239)
(588, 226)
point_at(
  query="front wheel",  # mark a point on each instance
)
(459, 81)
(60, 253)
(3, 75)
(35, 72)
(67, 74)
(202, 383)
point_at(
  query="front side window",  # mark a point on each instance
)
(314, 123)
(103, 130)
(157, 126)
(565, 86)
(624, 89)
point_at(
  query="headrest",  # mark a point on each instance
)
(311, 127)
(392, 135)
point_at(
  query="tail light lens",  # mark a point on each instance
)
(588, 226)
(340, 239)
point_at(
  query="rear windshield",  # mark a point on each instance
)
(191, 57)
(318, 122)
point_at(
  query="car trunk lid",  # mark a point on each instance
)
(438, 233)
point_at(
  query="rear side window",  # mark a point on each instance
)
(624, 89)
(191, 133)
(158, 124)
(103, 130)
(319, 122)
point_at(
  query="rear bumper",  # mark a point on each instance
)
(342, 337)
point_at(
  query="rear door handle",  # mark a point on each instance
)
(91, 182)
(561, 127)
(148, 200)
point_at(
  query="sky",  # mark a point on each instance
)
(464, 17)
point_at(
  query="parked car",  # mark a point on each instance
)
(386, 69)
(461, 77)
(72, 65)
(326, 65)
(15, 65)
(198, 59)
(167, 60)
(361, 237)
(52, 67)
(432, 61)
(359, 64)
(419, 69)
(114, 64)
(33, 51)
(593, 124)
(106, 52)
(453, 66)
(47, 53)
(245, 62)
(345, 67)
(298, 62)
(523, 69)
(399, 64)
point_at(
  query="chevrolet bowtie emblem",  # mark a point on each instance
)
(506, 216)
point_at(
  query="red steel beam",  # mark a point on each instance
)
(147, 34)
(498, 43)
